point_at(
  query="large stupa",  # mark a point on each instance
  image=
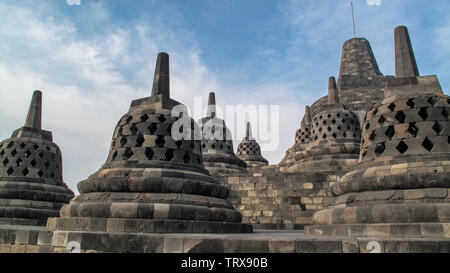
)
(154, 180)
(401, 186)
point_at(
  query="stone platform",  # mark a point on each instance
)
(20, 239)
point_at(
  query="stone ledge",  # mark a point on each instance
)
(394, 230)
(144, 225)
(261, 241)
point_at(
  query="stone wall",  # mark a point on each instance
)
(270, 199)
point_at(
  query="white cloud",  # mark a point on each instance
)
(374, 2)
(73, 2)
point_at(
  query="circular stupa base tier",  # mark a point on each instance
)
(391, 230)
(151, 206)
(398, 174)
(255, 164)
(254, 161)
(153, 178)
(25, 191)
(335, 155)
(385, 213)
(415, 213)
(23, 221)
(217, 168)
(115, 225)
(336, 162)
(27, 213)
(289, 158)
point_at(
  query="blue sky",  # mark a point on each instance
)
(92, 59)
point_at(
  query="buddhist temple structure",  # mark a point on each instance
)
(153, 181)
(400, 188)
(250, 151)
(368, 172)
(31, 178)
(217, 144)
(335, 138)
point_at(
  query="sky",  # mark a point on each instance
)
(91, 58)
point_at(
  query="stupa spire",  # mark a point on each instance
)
(333, 96)
(405, 62)
(34, 117)
(307, 114)
(248, 134)
(212, 105)
(161, 81)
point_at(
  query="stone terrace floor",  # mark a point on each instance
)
(14, 239)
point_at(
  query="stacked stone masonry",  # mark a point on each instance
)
(272, 200)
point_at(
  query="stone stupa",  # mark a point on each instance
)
(334, 141)
(250, 151)
(31, 179)
(217, 144)
(302, 139)
(153, 181)
(401, 186)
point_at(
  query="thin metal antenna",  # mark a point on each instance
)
(353, 18)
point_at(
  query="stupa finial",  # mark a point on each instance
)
(34, 117)
(248, 135)
(212, 105)
(161, 81)
(333, 96)
(405, 61)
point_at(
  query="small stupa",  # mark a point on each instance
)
(217, 144)
(302, 139)
(334, 141)
(31, 178)
(250, 151)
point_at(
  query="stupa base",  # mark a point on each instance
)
(144, 225)
(22, 222)
(388, 230)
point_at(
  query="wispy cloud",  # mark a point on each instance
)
(73, 2)
(374, 2)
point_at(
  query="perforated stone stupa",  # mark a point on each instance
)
(152, 182)
(334, 141)
(250, 151)
(217, 144)
(31, 180)
(401, 186)
(302, 139)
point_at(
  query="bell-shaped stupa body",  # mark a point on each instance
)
(302, 139)
(154, 180)
(31, 181)
(250, 151)
(334, 139)
(401, 186)
(217, 144)
(358, 59)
